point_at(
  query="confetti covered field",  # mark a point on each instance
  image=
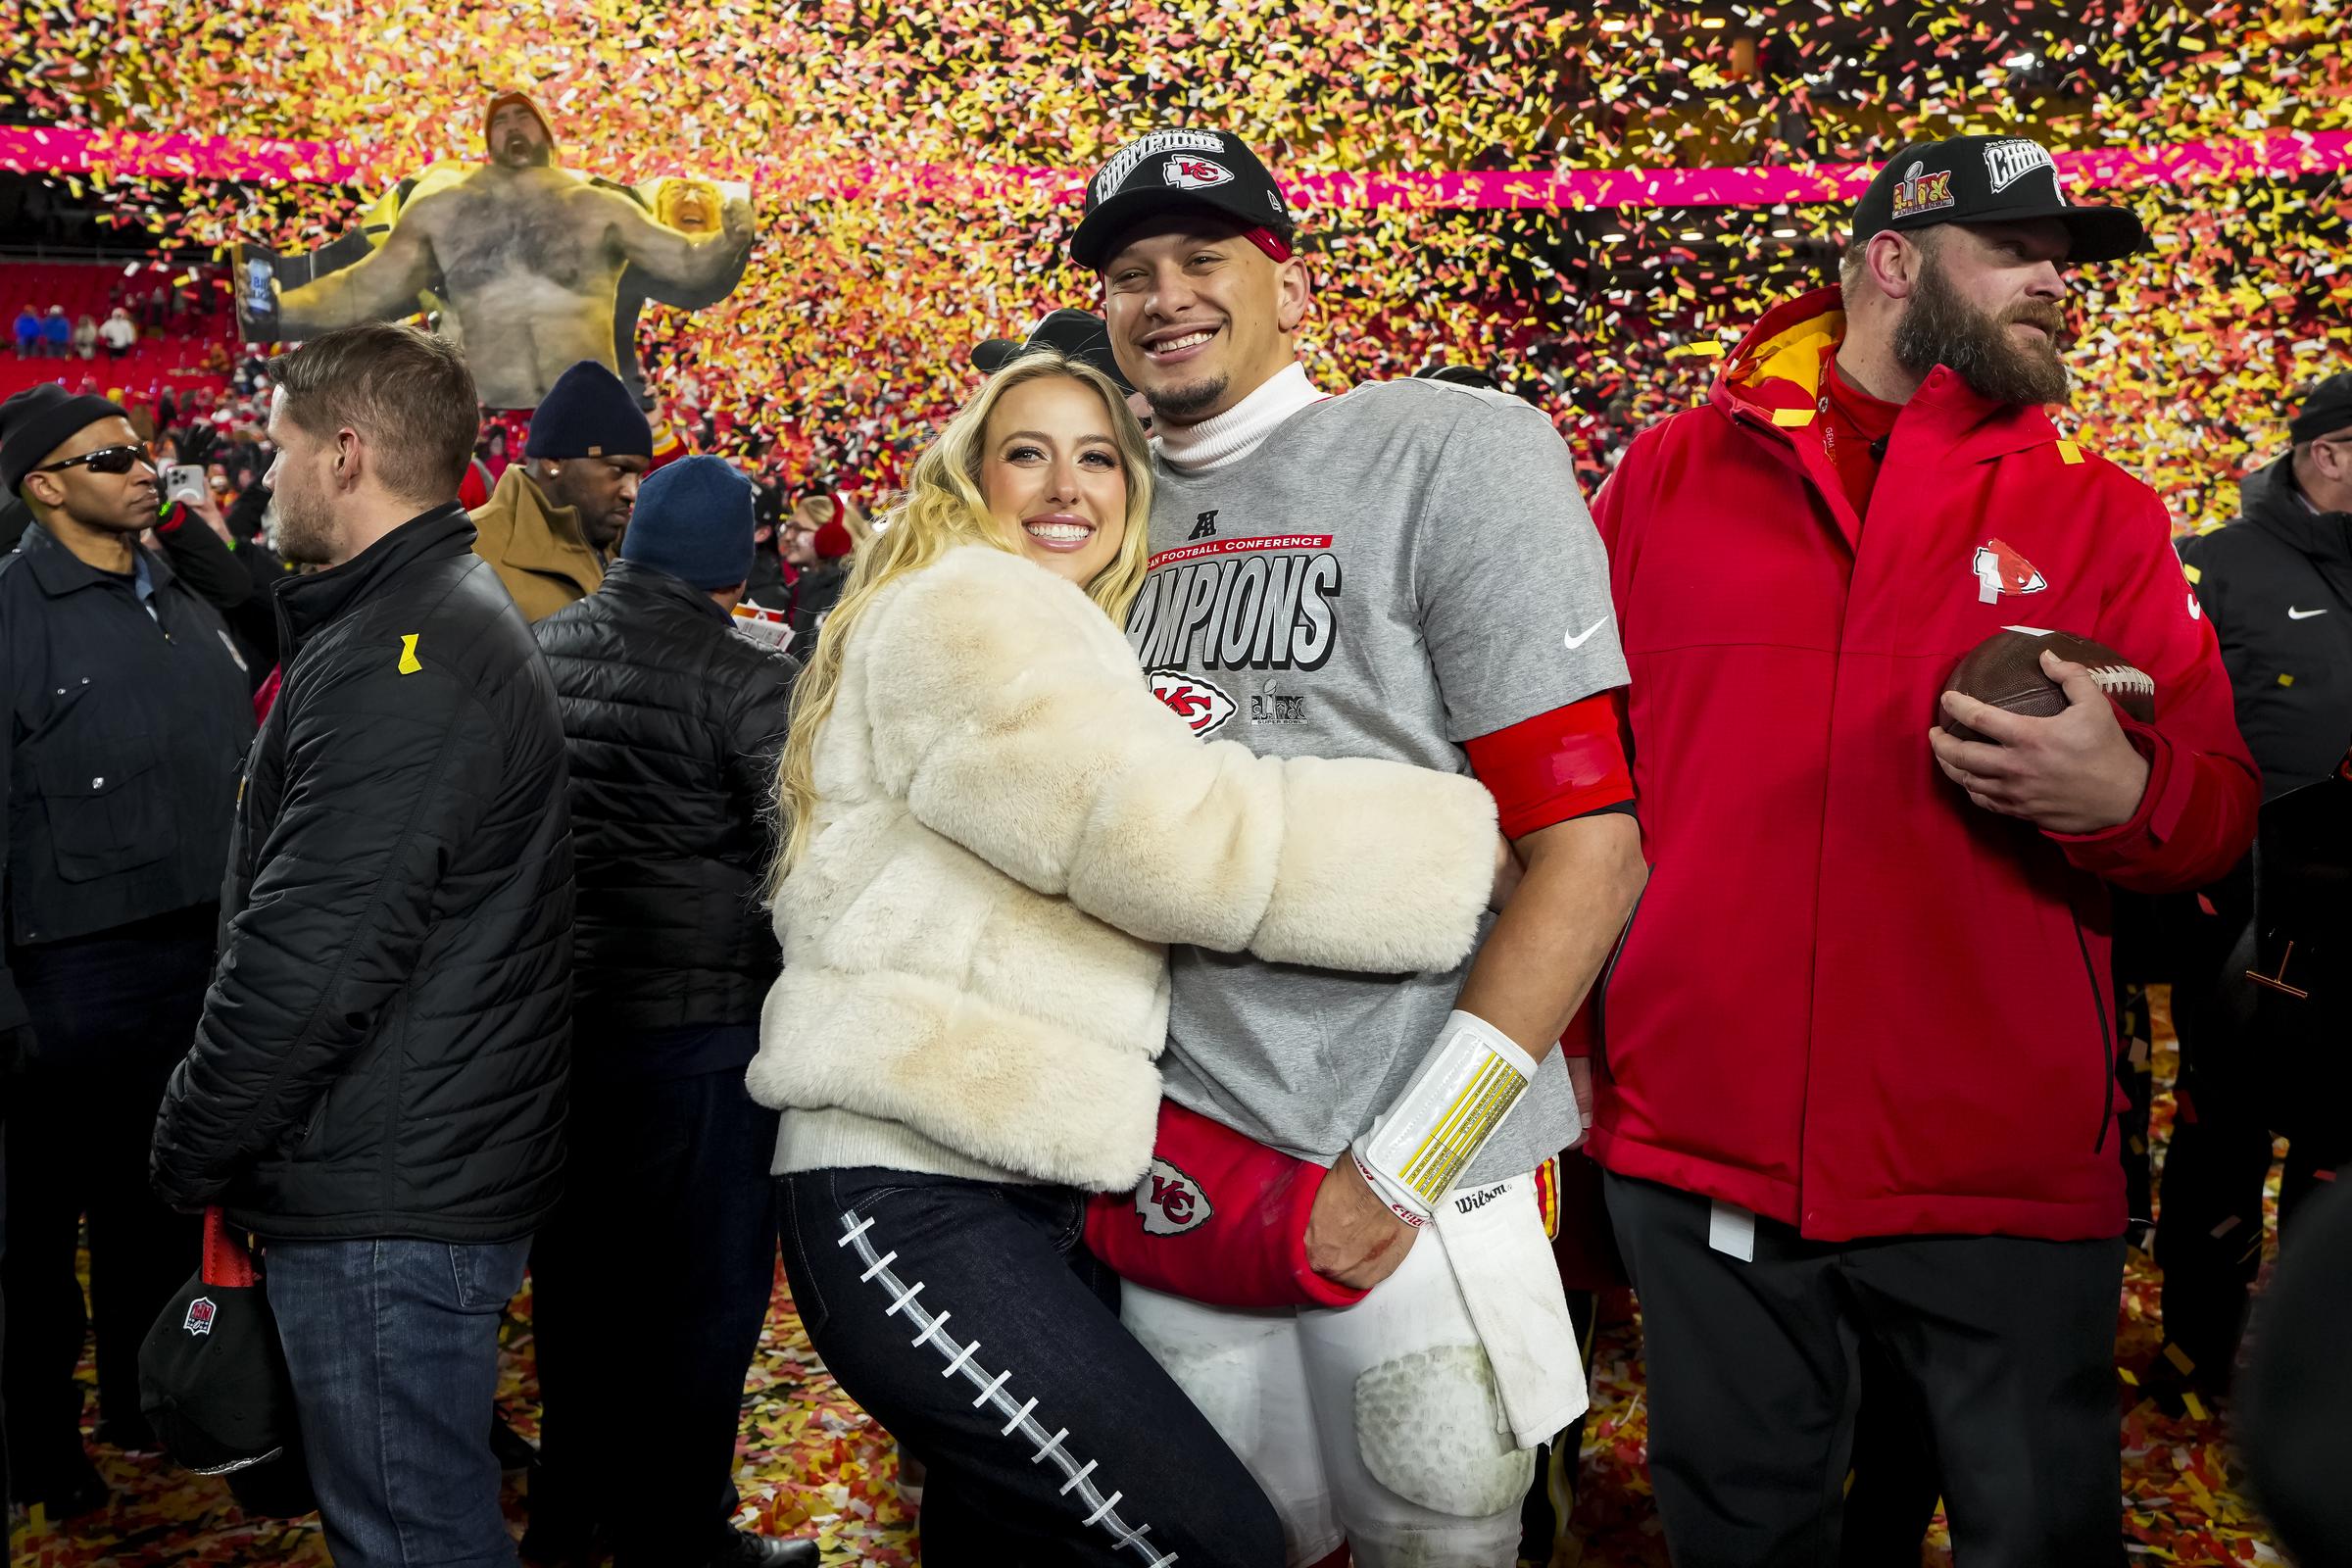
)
(811, 1463)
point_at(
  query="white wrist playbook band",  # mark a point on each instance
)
(1467, 1084)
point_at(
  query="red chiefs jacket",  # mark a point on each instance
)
(1851, 1001)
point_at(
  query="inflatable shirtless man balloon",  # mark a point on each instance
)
(530, 267)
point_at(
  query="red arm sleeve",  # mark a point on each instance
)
(2197, 819)
(1567, 763)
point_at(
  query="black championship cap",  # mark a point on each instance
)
(1170, 170)
(213, 1377)
(1077, 334)
(1988, 179)
(2325, 411)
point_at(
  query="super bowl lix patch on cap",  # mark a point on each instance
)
(1919, 191)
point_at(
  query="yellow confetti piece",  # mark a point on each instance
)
(1791, 419)
(2069, 452)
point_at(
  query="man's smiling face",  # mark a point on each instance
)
(1200, 318)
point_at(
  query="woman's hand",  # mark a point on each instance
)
(1508, 871)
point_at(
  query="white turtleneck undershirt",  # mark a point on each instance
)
(1231, 437)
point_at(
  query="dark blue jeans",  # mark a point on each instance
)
(393, 1348)
(970, 1321)
(648, 1290)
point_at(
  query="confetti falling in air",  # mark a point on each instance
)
(887, 147)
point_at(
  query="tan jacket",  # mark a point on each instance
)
(1008, 826)
(537, 550)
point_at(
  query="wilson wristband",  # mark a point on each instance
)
(1465, 1087)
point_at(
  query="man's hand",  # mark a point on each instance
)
(1352, 1237)
(2074, 773)
(207, 508)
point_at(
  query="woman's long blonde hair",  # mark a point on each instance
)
(944, 509)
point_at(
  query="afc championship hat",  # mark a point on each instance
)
(1169, 170)
(1076, 334)
(1990, 179)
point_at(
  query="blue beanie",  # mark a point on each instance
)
(589, 413)
(692, 519)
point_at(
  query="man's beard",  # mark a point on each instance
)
(1184, 403)
(1940, 328)
(306, 533)
(522, 152)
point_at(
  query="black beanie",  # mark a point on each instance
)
(2327, 410)
(589, 413)
(692, 519)
(39, 419)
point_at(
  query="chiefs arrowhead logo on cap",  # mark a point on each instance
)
(1195, 700)
(1193, 173)
(1999, 569)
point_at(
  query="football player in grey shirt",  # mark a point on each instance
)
(1405, 570)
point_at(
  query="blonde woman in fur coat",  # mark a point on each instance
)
(994, 828)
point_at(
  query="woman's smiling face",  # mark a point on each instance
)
(1053, 477)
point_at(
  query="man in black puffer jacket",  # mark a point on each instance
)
(377, 1083)
(675, 723)
(2277, 584)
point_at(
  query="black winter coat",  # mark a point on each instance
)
(384, 1049)
(2277, 584)
(812, 600)
(675, 721)
(119, 752)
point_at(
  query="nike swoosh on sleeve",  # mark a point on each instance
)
(1579, 639)
(2292, 613)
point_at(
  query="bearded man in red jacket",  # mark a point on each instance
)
(1856, 1062)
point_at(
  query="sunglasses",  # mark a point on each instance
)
(106, 460)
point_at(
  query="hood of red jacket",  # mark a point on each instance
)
(1773, 381)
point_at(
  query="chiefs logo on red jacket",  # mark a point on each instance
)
(2000, 570)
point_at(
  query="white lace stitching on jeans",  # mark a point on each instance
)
(932, 1330)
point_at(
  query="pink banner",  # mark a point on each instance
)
(99, 155)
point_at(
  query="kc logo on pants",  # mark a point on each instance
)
(1169, 1203)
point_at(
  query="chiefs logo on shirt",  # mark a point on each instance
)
(1195, 700)
(2000, 570)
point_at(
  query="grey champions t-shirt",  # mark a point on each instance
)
(1394, 571)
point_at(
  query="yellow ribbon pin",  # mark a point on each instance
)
(408, 654)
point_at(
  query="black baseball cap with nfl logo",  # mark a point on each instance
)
(1990, 179)
(1172, 170)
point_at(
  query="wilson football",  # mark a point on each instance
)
(2005, 670)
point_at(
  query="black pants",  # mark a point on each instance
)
(1754, 1376)
(648, 1287)
(970, 1321)
(112, 1015)
(2209, 1225)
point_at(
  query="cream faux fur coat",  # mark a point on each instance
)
(1009, 825)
